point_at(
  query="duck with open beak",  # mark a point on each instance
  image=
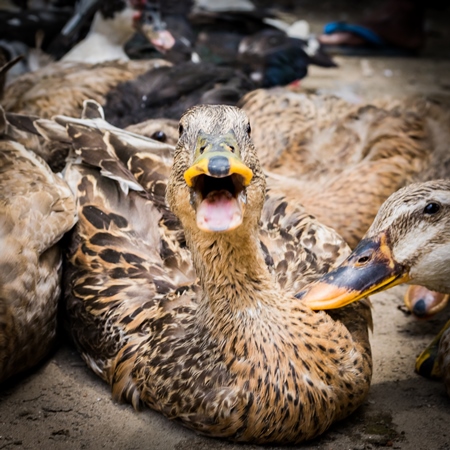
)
(218, 178)
(370, 268)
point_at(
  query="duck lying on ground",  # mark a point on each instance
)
(36, 209)
(198, 320)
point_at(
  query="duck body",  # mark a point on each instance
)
(167, 92)
(36, 209)
(272, 58)
(61, 88)
(203, 326)
(317, 148)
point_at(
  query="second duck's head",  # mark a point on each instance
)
(216, 184)
(409, 241)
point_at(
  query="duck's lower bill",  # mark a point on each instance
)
(370, 268)
(219, 211)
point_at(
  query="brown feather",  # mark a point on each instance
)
(61, 88)
(138, 314)
(341, 161)
(36, 209)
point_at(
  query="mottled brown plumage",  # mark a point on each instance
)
(341, 161)
(231, 353)
(61, 88)
(36, 209)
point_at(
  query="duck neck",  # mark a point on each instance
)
(232, 272)
(117, 30)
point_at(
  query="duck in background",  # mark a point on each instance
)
(36, 209)
(248, 38)
(273, 58)
(269, 57)
(113, 25)
(61, 87)
(318, 148)
(167, 92)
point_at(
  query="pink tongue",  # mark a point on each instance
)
(219, 211)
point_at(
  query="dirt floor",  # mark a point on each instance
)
(63, 405)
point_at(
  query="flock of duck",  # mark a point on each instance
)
(189, 258)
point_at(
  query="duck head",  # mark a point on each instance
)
(118, 19)
(216, 184)
(408, 242)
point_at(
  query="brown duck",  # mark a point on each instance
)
(199, 320)
(36, 209)
(342, 161)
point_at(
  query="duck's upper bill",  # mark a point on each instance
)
(370, 268)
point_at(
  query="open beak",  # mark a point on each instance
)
(218, 179)
(370, 268)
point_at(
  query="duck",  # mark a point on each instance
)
(423, 303)
(273, 58)
(167, 92)
(37, 208)
(187, 306)
(317, 148)
(89, 70)
(408, 242)
(113, 25)
(162, 130)
(61, 87)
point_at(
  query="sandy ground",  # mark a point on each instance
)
(62, 405)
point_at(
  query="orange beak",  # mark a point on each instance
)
(370, 268)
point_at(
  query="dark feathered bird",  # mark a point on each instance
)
(169, 91)
(272, 58)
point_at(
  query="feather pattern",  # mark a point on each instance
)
(318, 148)
(271, 371)
(36, 209)
(61, 88)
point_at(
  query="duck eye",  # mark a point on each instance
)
(432, 208)
(364, 258)
(159, 136)
(249, 129)
(180, 130)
